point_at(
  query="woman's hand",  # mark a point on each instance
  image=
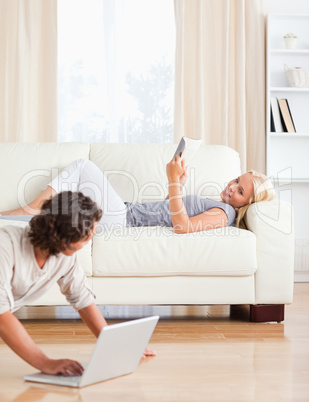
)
(183, 178)
(176, 170)
(64, 366)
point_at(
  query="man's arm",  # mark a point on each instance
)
(17, 338)
(93, 318)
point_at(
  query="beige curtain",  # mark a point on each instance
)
(220, 75)
(28, 70)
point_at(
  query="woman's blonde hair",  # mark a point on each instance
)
(263, 191)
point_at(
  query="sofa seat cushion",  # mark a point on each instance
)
(143, 252)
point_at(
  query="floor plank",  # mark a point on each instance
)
(203, 354)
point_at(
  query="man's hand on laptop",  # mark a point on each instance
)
(66, 367)
(148, 352)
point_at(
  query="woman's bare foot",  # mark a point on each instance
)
(34, 208)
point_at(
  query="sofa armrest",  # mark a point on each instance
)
(273, 224)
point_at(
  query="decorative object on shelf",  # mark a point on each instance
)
(297, 77)
(290, 40)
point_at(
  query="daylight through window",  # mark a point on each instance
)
(116, 70)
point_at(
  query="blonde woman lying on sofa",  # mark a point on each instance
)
(185, 214)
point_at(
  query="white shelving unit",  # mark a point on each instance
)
(288, 153)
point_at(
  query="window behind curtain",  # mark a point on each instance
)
(116, 70)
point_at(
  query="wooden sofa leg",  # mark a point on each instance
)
(266, 312)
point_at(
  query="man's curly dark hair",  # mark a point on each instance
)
(66, 218)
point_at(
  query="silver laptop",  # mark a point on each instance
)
(117, 352)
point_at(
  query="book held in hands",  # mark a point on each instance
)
(188, 148)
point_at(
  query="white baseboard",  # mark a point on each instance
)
(301, 276)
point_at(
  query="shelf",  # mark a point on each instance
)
(290, 51)
(289, 135)
(289, 89)
(280, 16)
(291, 180)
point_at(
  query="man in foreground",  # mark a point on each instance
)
(34, 258)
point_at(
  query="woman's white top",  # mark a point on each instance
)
(22, 280)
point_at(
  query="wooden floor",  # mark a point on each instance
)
(203, 354)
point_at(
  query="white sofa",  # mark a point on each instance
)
(153, 265)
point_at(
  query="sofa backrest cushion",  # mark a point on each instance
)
(137, 171)
(26, 168)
